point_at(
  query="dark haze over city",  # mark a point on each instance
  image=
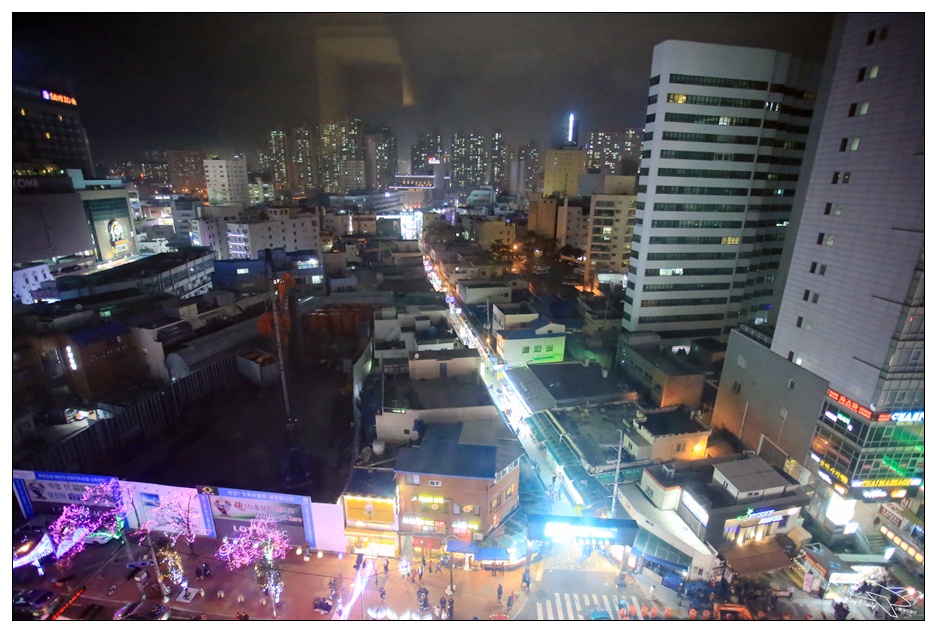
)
(218, 82)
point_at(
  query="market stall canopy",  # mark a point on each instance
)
(755, 557)
(492, 554)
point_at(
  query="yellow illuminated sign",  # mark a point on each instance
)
(375, 510)
(834, 472)
(883, 482)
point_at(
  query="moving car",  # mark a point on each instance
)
(599, 615)
(142, 611)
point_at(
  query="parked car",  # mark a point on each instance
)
(671, 580)
(36, 604)
(142, 611)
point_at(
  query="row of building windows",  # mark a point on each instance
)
(770, 208)
(775, 177)
(767, 223)
(849, 144)
(689, 256)
(704, 173)
(698, 208)
(779, 160)
(718, 82)
(674, 190)
(706, 241)
(705, 155)
(685, 287)
(858, 108)
(773, 192)
(782, 143)
(695, 137)
(686, 271)
(688, 223)
(780, 126)
(676, 302)
(724, 102)
(679, 319)
(709, 119)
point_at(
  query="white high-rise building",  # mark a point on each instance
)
(227, 182)
(284, 227)
(725, 133)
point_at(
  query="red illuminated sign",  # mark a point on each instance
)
(849, 404)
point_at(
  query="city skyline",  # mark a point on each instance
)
(244, 75)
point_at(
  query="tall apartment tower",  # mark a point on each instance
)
(427, 148)
(278, 160)
(604, 152)
(380, 156)
(304, 159)
(529, 162)
(725, 134)
(341, 142)
(498, 160)
(562, 170)
(227, 182)
(187, 172)
(469, 161)
(852, 313)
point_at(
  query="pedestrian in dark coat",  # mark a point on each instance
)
(509, 602)
(439, 567)
(500, 593)
(451, 608)
(386, 567)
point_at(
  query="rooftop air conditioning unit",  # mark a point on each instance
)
(669, 472)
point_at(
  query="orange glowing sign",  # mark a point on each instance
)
(849, 404)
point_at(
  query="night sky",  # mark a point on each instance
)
(218, 81)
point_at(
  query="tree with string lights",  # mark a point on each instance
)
(260, 543)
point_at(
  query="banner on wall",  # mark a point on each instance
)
(233, 508)
(47, 492)
(148, 498)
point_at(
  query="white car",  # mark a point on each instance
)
(98, 538)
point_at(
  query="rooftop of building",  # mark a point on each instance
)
(573, 383)
(371, 482)
(672, 421)
(481, 283)
(511, 309)
(139, 268)
(665, 361)
(444, 354)
(594, 430)
(448, 458)
(460, 391)
(753, 474)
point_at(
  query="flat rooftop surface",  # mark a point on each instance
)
(460, 391)
(571, 383)
(672, 422)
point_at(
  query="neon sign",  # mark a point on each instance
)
(834, 472)
(850, 404)
(907, 417)
(770, 519)
(571, 126)
(874, 493)
(888, 482)
(751, 514)
(59, 98)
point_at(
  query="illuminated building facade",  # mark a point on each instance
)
(857, 325)
(530, 167)
(562, 170)
(498, 161)
(725, 137)
(427, 148)
(303, 159)
(289, 228)
(187, 172)
(227, 182)
(605, 152)
(277, 158)
(380, 153)
(340, 142)
(47, 128)
(469, 161)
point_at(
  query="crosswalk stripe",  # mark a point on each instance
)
(568, 609)
(578, 607)
(637, 605)
(612, 611)
(585, 600)
(539, 612)
(549, 612)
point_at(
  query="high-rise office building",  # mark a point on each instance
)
(725, 134)
(227, 182)
(187, 172)
(469, 161)
(848, 316)
(631, 140)
(498, 159)
(47, 129)
(155, 167)
(428, 148)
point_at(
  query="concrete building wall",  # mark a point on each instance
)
(757, 404)
(430, 369)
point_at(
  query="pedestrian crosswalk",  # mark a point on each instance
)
(577, 606)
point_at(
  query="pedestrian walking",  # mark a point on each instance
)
(442, 603)
(206, 570)
(493, 570)
(240, 599)
(510, 601)
(439, 566)
(221, 594)
(386, 568)
(263, 602)
(420, 573)
(554, 480)
(451, 608)
(198, 574)
(383, 594)
(435, 612)
(652, 591)
(423, 561)
(202, 593)
(500, 593)
(237, 617)
(430, 567)
(245, 617)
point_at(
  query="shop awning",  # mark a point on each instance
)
(461, 546)
(755, 557)
(492, 554)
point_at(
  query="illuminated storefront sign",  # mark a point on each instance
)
(851, 405)
(695, 508)
(424, 524)
(835, 473)
(59, 98)
(887, 482)
(751, 514)
(874, 493)
(770, 519)
(825, 477)
(907, 417)
(562, 531)
(363, 511)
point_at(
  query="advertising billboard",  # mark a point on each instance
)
(163, 504)
(47, 492)
(233, 508)
(114, 237)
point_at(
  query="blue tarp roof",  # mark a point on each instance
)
(460, 546)
(484, 554)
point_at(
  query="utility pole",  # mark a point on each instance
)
(617, 471)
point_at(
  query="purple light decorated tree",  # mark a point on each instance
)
(175, 518)
(260, 543)
(100, 512)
